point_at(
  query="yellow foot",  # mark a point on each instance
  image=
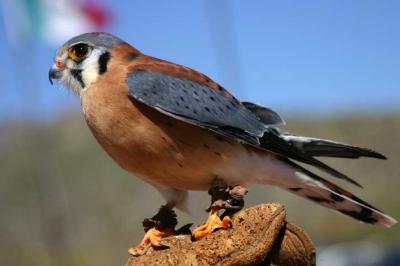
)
(152, 238)
(213, 223)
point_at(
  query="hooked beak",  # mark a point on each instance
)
(54, 73)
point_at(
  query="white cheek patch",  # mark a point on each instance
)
(90, 67)
(90, 74)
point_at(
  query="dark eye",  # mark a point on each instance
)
(78, 51)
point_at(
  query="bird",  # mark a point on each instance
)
(180, 131)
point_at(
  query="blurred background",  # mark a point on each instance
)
(331, 68)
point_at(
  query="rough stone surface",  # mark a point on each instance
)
(260, 236)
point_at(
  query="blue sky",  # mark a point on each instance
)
(307, 57)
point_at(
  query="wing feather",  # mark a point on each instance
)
(189, 96)
(194, 103)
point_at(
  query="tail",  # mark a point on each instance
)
(304, 149)
(329, 148)
(331, 196)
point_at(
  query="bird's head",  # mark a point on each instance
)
(80, 61)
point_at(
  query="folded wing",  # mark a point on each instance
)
(199, 104)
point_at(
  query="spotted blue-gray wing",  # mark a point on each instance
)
(200, 105)
(195, 103)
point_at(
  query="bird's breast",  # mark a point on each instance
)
(147, 144)
(155, 147)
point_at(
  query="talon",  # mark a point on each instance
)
(137, 251)
(184, 230)
(161, 246)
(151, 239)
(133, 253)
(213, 223)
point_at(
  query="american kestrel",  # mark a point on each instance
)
(179, 130)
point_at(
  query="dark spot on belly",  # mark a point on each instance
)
(180, 165)
(295, 188)
(185, 143)
(218, 154)
(169, 124)
(164, 139)
(206, 146)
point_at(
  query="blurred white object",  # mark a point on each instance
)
(63, 20)
(52, 21)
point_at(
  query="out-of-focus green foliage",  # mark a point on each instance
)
(63, 201)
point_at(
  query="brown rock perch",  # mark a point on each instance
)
(260, 236)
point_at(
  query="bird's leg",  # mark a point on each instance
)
(229, 198)
(159, 226)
